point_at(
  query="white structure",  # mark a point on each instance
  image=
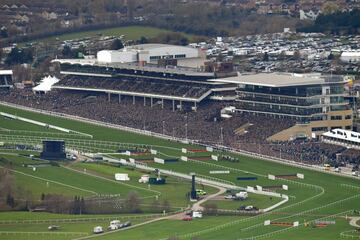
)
(122, 177)
(114, 225)
(111, 56)
(350, 56)
(197, 214)
(342, 137)
(6, 78)
(144, 179)
(98, 229)
(241, 195)
(45, 84)
(309, 15)
(147, 53)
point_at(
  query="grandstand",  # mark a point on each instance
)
(342, 137)
(149, 71)
(315, 101)
(6, 79)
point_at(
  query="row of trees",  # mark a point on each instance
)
(57, 203)
(12, 197)
(337, 23)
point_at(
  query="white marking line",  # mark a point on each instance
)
(110, 180)
(42, 233)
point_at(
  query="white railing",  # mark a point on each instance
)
(181, 140)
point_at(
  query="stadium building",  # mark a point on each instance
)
(150, 71)
(6, 79)
(315, 101)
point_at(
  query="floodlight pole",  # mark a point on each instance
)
(163, 126)
(221, 135)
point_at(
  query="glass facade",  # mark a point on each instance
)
(301, 102)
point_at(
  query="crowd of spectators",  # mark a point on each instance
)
(205, 124)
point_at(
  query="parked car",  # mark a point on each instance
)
(200, 192)
(53, 227)
(229, 196)
(187, 218)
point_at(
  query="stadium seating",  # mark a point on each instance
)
(159, 87)
(204, 125)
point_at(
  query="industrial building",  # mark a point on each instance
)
(147, 53)
(315, 101)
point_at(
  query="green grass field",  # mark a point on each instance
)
(320, 196)
(130, 33)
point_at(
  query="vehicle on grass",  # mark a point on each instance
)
(197, 214)
(126, 224)
(200, 192)
(248, 208)
(98, 230)
(53, 227)
(114, 225)
(237, 196)
(241, 196)
(230, 196)
(327, 167)
(187, 218)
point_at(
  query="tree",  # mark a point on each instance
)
(330, 7)
(143, 40)
(10, 201)
(4, 32)
(132, 202)
(211, 208)
(19, 56)
(82, 205)
(155, 206)
(1, 53)
(67, 52)
(265, 57)
(117, 44)
(166, 206)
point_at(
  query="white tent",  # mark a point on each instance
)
(45, 84)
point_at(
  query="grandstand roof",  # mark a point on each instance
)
(134, 66)
(6, 72)
(282, 79)
(149, 46)
(343, 135)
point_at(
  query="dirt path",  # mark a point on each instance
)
(353, 222)
(178, 216)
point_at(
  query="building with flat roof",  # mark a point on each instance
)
(346, 138)
(316, 101)
(6, 79)
(148, 53)
(147, 71)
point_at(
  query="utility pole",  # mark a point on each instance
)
(163, 127)
(221, 136)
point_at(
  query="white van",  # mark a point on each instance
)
(98, 230)
(114, 225)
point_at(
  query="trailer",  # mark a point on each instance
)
(122, 177)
